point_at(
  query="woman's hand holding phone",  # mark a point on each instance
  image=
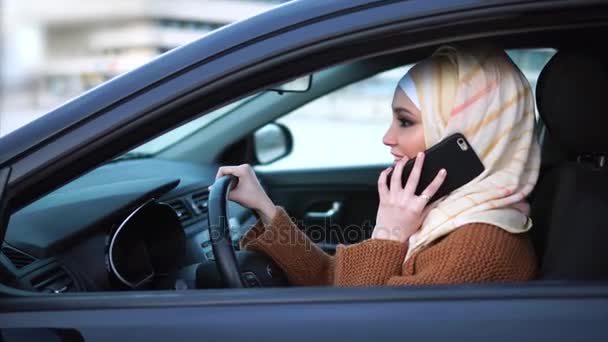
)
(401, 211)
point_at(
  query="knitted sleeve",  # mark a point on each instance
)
(304, 263)
(473, 253)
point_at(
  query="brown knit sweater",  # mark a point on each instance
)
(473, 253)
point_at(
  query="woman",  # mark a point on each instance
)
(477, 233)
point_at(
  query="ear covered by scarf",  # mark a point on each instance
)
(480, 93)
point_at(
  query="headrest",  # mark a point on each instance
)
(572, 99)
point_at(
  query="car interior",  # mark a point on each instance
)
(142, 221)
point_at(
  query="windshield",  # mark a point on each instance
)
(156, 145)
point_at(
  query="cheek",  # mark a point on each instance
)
(411, 141)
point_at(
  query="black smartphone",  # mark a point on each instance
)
(454, 154)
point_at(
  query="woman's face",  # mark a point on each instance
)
(405, 136)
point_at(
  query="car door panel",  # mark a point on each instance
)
(472, 313)
(332, 206)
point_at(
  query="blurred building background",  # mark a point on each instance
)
(55, 50)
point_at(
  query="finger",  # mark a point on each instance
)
(396, 177)
(382, 181)
(220, 172)
(246, 169)
(432, 189)
(227, 170)
(414, 178)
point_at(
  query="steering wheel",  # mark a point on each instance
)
(219, 232)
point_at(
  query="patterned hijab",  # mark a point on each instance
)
(480, 93)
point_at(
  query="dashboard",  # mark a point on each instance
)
(62, 242)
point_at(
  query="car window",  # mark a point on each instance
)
(531, 62)
(345, 128)
(159, 143)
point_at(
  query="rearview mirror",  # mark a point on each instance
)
(298, 85)
(271, 142)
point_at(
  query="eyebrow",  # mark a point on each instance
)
(402, 111)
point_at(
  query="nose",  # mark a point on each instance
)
(389, 138)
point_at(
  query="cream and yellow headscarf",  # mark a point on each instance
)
(480, 93)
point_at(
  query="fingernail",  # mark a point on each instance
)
(443, 172)
(420, 154)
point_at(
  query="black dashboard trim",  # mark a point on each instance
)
(111, 248)
(5, 174)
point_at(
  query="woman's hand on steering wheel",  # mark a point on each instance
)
(248, 191)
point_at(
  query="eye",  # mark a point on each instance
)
(404, 123)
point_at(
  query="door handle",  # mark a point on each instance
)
(330, 213)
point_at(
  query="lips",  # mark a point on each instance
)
(397, 157)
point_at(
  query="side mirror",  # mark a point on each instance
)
(298, 85)
(271, 142)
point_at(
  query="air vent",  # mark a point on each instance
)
(18, 258)
(53, 280)
(200, 201)
(180, 208)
